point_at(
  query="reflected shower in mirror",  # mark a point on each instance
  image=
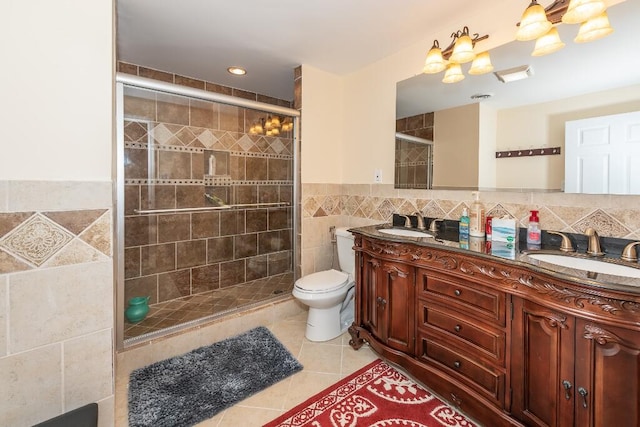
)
(581, 81)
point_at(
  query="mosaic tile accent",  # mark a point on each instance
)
(48, 239)
(36, 240)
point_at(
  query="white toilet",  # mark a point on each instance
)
(329, 294)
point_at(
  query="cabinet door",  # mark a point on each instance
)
(607, 375)
(542, 379)
(374, 292)
(399, 307)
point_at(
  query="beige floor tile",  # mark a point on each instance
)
(246, 416)
(306, 384)
(352, 360)
(324, 358)
(271, 398)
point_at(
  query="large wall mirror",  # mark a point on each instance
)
(580, 81)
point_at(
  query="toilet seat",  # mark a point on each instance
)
(322, 281)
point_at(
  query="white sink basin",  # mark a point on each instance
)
(403, 232)
(587, 264)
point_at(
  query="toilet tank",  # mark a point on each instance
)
(346, 254)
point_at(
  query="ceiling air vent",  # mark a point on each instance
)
(514, 74)
(481, 96)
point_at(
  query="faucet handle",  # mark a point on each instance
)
(433, 227)
(629, 252)
(566, 245)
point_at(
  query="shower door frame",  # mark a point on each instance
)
(129, 80)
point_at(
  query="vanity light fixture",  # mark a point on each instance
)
(237, 71)
(271, 126)
(459, 51)
(537, 23)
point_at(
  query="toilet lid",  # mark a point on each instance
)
(322, 281)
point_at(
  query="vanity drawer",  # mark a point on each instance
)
(480, 300)
(488, 380)
(471, 333)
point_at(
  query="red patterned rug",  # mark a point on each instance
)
(376, 395)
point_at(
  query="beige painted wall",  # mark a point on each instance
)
(455, 147)
(56, 85)
(543, 124)
(56, 319)
(323, 119)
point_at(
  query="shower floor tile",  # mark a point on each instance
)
(182, 310)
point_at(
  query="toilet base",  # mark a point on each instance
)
(323, 324)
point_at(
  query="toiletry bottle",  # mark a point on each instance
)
(476, 218)
(534, 235)
(464, 223)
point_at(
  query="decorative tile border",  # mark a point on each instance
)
(611, 222)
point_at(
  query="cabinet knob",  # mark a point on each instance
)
(458, 328)
(458, 292)
(457, 364)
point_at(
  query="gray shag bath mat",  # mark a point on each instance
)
(187, 389)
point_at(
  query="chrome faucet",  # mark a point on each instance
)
(566, 245)
(629, 252)
(433, 227)
(421, 225)
(593, 247)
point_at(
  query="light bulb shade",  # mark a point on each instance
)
(434, 62)
(594, 29)
(453, 73)
(583, 10)
(275, 122)
(258, 128)
(463, 49)
(534, 23)
(548, 43)
(481, 65)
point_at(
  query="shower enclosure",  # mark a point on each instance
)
(206, 204)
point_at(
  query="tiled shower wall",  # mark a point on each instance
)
(412, 159)
(186, 153)
(364, 204)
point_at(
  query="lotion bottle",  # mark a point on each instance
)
(534, 235)
(476, 218)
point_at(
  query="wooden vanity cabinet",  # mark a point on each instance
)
(507, 345)
(389, 314)
(571, 371)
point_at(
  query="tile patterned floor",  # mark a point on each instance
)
(324, 364)
(183, 310)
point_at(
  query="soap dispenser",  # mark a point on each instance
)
(534, 235)
(476, 218)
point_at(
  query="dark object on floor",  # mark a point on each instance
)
(187, 389)
(85, 416)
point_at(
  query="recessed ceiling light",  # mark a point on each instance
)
(513, 74)
(238, 71)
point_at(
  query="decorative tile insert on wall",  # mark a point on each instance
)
(183, 153)
(30, 240)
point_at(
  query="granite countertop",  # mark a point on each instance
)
(517, 256)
